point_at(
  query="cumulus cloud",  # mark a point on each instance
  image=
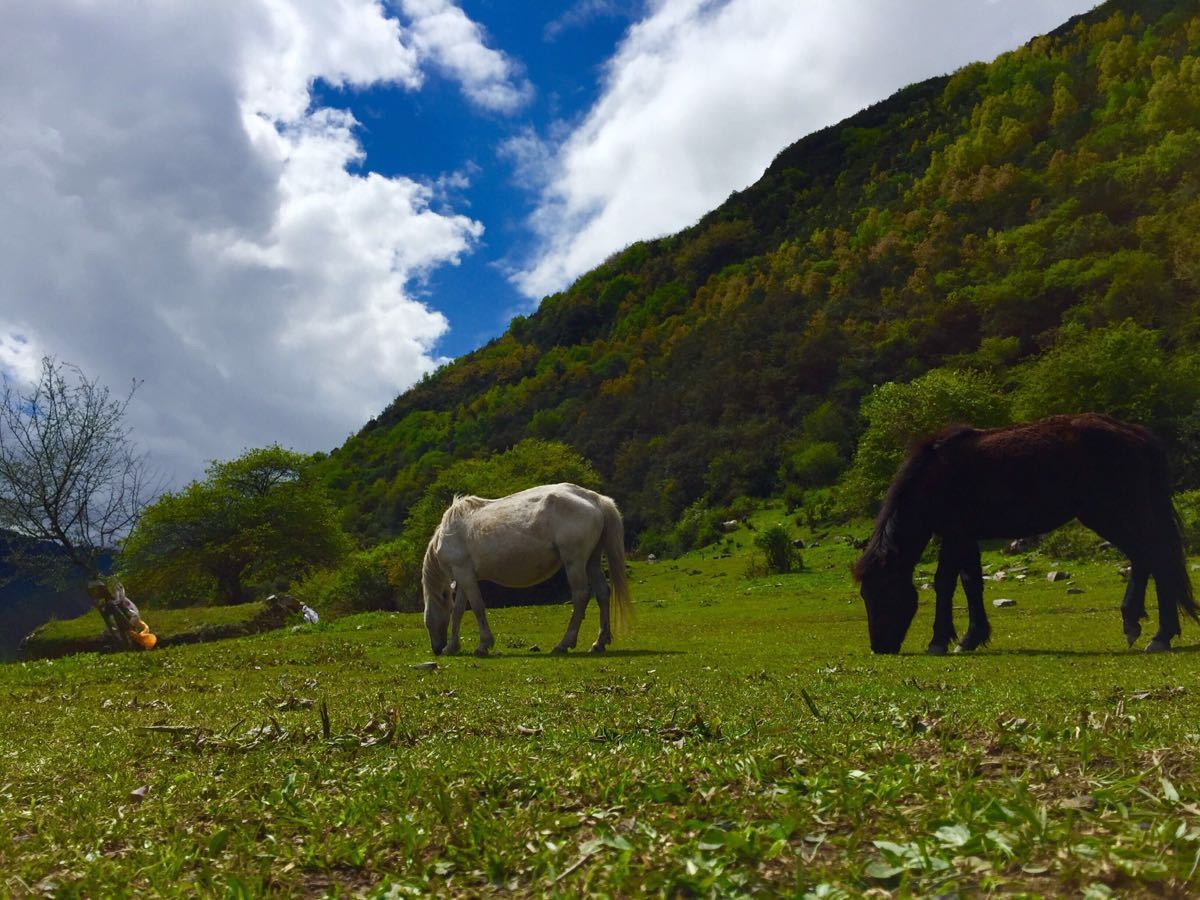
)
(701, 95)
(445, 34)
(175, 209)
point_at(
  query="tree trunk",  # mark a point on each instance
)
(230, 590)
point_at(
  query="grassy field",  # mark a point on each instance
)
(742, 740)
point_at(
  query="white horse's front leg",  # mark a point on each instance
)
(456, 613)
(577, 578)
(470, 587)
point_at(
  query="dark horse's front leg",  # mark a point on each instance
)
(979, 631)
(1133, 607)
(944, 582)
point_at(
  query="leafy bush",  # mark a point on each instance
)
(897, 415)
(379, 578)
(1071, 541)
(817, 506)
(699, 526)
(776, 545)
(1120, 370)
(1187, 504)
(812, 465)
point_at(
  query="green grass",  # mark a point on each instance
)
(742, 740)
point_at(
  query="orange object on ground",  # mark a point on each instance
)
(143, 638)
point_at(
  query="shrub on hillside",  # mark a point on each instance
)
(374, 579)
(778, 553)
(1187, 504)
(699, 526)
(1071, 541)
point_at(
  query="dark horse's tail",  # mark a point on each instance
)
(1178, 566)
(1187, 598)
(1173, 561)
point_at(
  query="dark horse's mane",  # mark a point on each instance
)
(883, 544)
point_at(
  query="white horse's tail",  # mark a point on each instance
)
(614, 549)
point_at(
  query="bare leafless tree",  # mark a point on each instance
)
(69, 473)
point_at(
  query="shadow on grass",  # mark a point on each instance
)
(993, 652)
(576, 654)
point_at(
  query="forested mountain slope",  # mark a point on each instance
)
(970, 222)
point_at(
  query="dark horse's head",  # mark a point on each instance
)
(884, 571)
(891, 601)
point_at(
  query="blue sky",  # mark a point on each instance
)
(279, 214)
(562, 48)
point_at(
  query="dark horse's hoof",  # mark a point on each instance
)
(1132, 633)
(597, 648)
(936, 650)
(972, 639)
(1158, 645)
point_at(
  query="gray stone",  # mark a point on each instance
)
(1002, 602)
(1057, 576)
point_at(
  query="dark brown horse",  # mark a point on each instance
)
(966, 484)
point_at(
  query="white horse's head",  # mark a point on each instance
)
(435, 585)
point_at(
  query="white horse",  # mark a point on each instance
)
(518, 541)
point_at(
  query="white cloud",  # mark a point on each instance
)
(19, 358)
(172, 208)
(444, 33)
(583, 12)
(701, 96)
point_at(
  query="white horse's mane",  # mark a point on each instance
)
(460, 507)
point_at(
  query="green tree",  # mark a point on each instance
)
(897, 415)
(1121, 370)
(256, 518)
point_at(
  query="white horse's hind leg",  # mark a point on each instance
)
(456, 613)
(601, 590)
(470, 587)
(577, 578)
